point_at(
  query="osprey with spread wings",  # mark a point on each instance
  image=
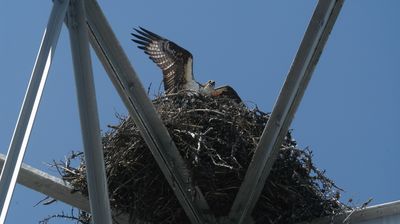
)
(176, 64)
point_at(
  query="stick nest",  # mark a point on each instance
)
(217, 138)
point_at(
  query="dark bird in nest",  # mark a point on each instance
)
(176, 64)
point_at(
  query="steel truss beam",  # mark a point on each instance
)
(30, 105)
(145, 116)
(93, 149)
(56, 188)
(142, 111)
(300, 73)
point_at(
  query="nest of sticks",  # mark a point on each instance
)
(217, 138)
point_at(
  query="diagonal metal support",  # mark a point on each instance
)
(93, 149)
(145, 116)
(289, 98)
(19, 141)
(58, 189)
(50, 185)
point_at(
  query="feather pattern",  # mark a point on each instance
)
(227, 91)
(171, 58)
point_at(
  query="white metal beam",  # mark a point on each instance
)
(144, 115)
(93, 149)
(375, 212)
(23, 128)
(49, 185)
(56, 188)
(307, 57)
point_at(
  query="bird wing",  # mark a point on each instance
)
(228, 92)
(170, 57)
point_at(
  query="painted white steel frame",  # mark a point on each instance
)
(97, 182)
(300, 73)
(26, 118)
(57, 189)
(93, 149)
(142, 111)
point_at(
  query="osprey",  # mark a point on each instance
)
(176, 64)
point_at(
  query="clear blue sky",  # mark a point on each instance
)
(349, 115)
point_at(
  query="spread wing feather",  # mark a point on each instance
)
(170, 57)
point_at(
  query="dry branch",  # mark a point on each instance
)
(217, 138)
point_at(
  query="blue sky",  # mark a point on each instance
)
(349, 114)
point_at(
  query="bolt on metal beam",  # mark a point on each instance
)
(93, 149)
(306, 59)
(145, 116)
(23, 128)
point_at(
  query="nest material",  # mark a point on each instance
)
(216, 137)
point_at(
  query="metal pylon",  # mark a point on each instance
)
(85, 17)
(97, 182)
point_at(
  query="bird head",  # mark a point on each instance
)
(208, 87)
(210, 84)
